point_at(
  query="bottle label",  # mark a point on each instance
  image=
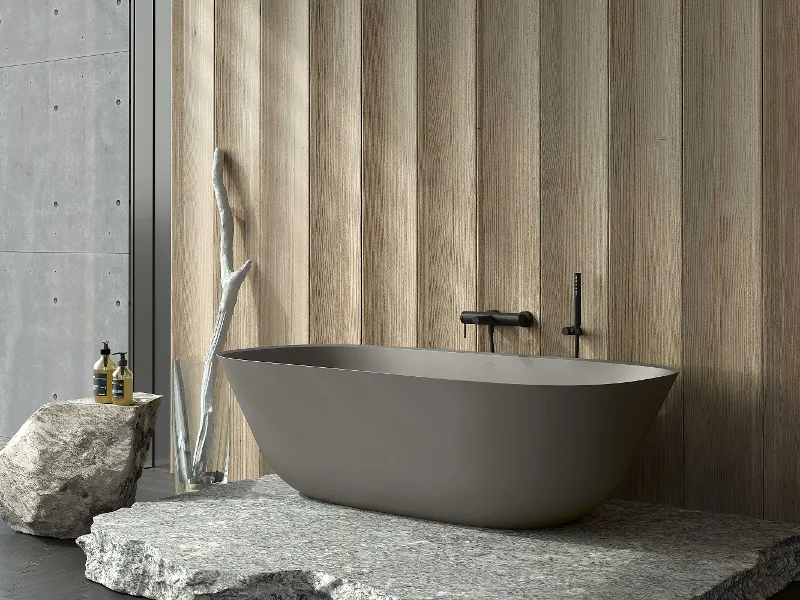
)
(100, 384)
(118, 388)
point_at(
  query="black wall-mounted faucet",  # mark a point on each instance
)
(493, 318)
(575, 328)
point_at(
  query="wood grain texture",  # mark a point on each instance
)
(503, 145)
(335, 172)
(781, 259)
(574, 172)
(508, 199)
(446, 172)
(284, 195)
(238, 89)
(389, 171)
(722, 256)
(193, 208)
(193, 212)
(645, 222)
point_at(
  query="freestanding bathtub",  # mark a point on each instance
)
(479, 439)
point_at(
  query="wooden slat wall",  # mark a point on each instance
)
(781, 259)
(722, 256)
(645, 221)
(237, 123)
(389, 172)
(508, 205)
(394, 162)
(574, 172)
(446, 173)
(195, 243)
(335, 172)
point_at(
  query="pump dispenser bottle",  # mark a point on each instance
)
(122, 382)
(101, 381)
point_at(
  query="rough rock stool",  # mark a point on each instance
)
(74, 460)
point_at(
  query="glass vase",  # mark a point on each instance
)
(194, 469)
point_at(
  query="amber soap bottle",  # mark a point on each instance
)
(103, 370)
(122, 382)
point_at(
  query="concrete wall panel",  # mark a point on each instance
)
(54, 311)
(41, 30)
(64, 167)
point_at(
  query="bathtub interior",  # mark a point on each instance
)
(456, 366)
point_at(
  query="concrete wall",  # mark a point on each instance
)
(64, 197)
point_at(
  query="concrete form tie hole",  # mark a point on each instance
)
(55, 300)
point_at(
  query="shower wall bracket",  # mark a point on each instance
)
(494, 318)
(575, 329)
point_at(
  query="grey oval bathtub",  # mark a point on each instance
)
(479, 439)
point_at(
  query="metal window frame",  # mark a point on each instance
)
(149, 334)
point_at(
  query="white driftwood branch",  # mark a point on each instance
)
(231, 282)
(183, 456)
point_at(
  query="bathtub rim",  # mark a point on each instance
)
(668, 372)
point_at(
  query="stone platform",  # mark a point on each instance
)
(261, 539)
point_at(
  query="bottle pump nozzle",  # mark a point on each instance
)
(105, 350)
(123, 362)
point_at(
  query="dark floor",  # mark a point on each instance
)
(46, 568)
(51, 569)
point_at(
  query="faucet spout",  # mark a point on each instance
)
(493, 318)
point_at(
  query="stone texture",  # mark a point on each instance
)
(74, 460)
(261, 539)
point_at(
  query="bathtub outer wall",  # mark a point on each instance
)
(484, 454)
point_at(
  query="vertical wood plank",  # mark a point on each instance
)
(645, 222)
(508, 202)
(781, 259)
(237, 64)
(446, 171)
(335, 172)
(284, 196)
(574, 172)
(284, 190)
(389, 167)
(194, 251)
(722, 256)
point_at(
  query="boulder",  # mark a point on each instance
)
(74, 460)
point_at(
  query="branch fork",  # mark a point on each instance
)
(231, 283)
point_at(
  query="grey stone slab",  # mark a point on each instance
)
(261, 539)
(63, 171)
(54, 311)
(40, 30)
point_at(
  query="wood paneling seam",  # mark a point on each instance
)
(538, 316)
(480, 299)
(311, 8)
(682, 278)
(763, 285)
(361, 167)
